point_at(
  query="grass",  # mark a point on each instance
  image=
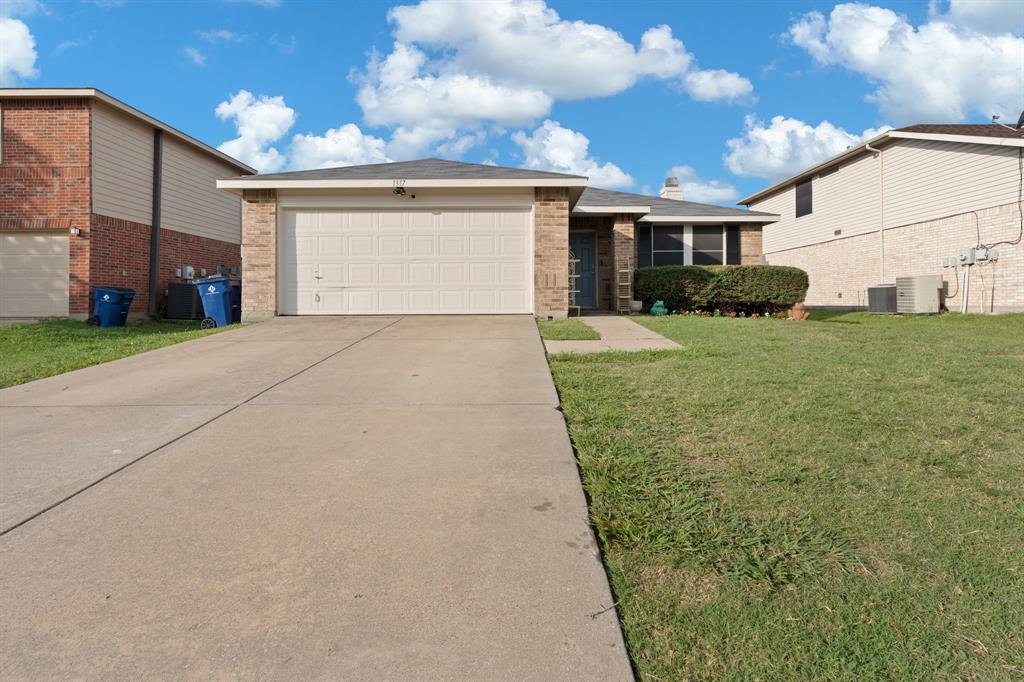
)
(41, 349)
(841, 498)
(566, 330)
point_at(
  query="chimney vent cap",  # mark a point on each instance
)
(672, 181)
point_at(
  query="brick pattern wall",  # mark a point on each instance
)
(841, 270)
(751, 249)
(45, 170)
(551, 252)
(119, 257)
(259, 248)
(624, 249)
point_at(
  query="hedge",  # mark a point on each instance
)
(729, 288)
(681, 287)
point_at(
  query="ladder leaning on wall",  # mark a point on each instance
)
(624, 288)
(573, 284)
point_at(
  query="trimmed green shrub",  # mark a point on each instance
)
(681, 287)
(758, 287)
(729, 288)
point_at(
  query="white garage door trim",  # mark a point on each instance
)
(34, 274)
(381, 261)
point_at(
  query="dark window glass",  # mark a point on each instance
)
(643, 245)
(707, 237)
(732, 245)
(668, 238)
(803, 198)
(707, 257)
(669, 258)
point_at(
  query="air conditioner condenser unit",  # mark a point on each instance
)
(918, 295)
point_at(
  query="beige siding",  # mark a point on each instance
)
(924, 180)
(191, 201)
(122, 165)
(846, 200)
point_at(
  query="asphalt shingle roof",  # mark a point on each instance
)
(662, 207)
(424, 169)
(975, 129)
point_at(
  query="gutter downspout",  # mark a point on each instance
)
(154, 239)
(881, 215)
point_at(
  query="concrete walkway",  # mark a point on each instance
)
(617, 333)
(309, 498)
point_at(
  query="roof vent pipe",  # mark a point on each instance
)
(671, 190)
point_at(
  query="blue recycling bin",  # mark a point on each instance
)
(215, 293)
(111, 306)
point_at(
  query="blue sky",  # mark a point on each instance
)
(731, 95)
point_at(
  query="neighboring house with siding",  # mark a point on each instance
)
(895, 206)
(78, 208)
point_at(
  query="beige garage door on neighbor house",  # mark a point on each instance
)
(33, 275)
(427, 261)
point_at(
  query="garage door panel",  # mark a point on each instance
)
(33, 275)
(386, 262)
(390, 245)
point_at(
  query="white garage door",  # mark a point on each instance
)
(33, 275)
(408, 262)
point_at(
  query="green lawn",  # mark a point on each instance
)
(566, 330)
(42, 349)
(835, 499)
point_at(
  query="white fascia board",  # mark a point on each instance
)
(410, 184)
(965, 139)
(709, 219)
(611, 209)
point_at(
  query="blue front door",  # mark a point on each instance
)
(583, 246)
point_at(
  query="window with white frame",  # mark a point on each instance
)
(681, 244)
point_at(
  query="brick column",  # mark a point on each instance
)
(259, 254)
(624, 248)
(551, 252)
(751, 251)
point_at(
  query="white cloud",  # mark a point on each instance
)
(346, 145)
(222, 35)
(554, 148)
(195, 56)
(284, 45)
(985, 16)
(259, 122)
(21, 8)
(457, 66)
(18, 56)
(696, 188)
(940, 71)
(787, 146)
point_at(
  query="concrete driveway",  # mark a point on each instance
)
(309, 498)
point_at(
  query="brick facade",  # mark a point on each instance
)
(751, 245)
(259, 246)
(841, 270)
(551, 252)
(118, 253)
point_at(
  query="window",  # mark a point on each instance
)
(803, 198)
(708, 245)
(680, 245)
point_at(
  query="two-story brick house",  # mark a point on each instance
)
(899, 204)
(95, 192)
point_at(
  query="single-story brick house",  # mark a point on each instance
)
(95, 192)
(897, 205)
(444, 237)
